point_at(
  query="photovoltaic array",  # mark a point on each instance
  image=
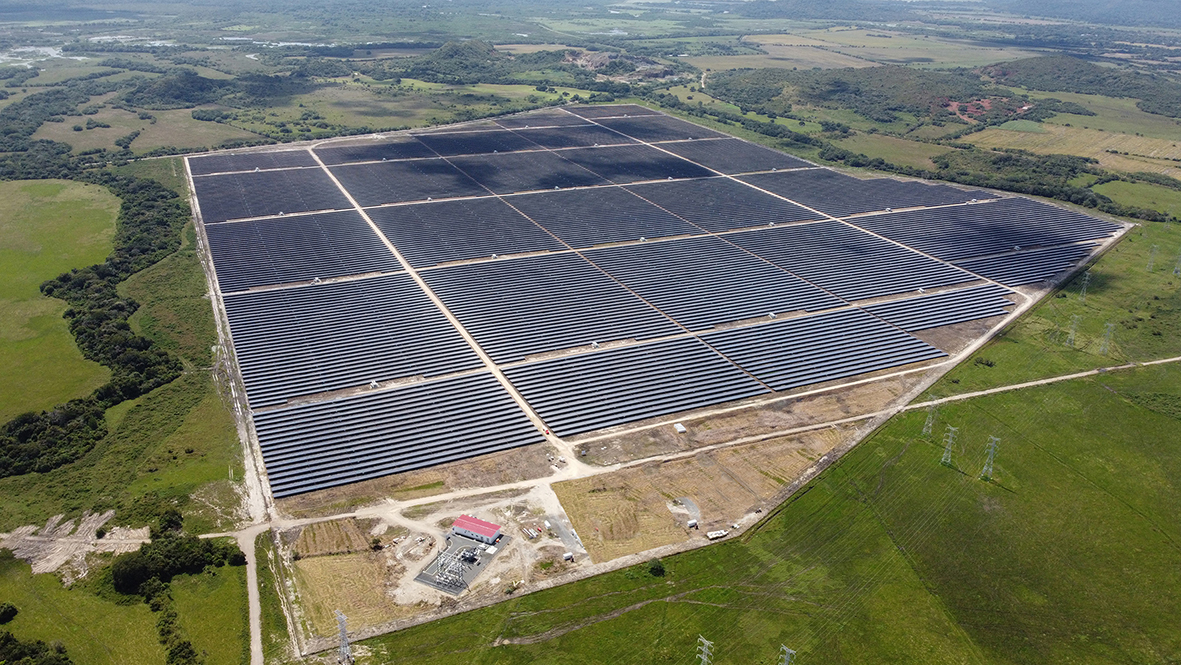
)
(613, 263)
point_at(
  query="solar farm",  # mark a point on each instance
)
(399, 302)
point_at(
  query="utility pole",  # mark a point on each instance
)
(705, 652)
(1070, 339)
(786, 655)
(992, 444)
(948, 442)
(929, 426)
(345, 655)
(1082, 294)
(1108, 333)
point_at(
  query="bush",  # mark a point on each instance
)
(162, 559)
(37, 652)
(656, 568)
(8, 612)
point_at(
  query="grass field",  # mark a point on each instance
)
(212, 609)
(46, 228)
(898, 48)
(95, 630)
(1145, 308)
(1142, 195)
(1114, 115)
(275, 638)
(891, 557)
(170, 128)
(784, 52)
(1145, 153)
(894, 150)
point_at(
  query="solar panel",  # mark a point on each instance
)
(572, 137)
(316, 446)
(506, 173)
(1031, 266)
(595, 390)
(658, 128)
(819, 348)
(549, 118)
(248, 161)
(944, 309)
(413, 180)
(430, 233)
(721, 204)
(265, 193)
(295, 249)
(732, 156)
(634, 163)
(962, 232)
(298, 341)
(701, 282)
(475, 143)
(848, 262)
(587, 217)
(610, 111)
(373, 152)
(525, 306)
(840, 195)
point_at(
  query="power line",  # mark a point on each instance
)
(992, 444)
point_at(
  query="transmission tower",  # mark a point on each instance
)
(1070, 339)
(786, 655)
(705, 651)
(1082, 293)
(992, 444)
(1108, 333)
(1177, 267)
(929, 426)
(345, 655)
(1152, 257)
(948, 442)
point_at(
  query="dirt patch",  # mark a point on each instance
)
(511, 466)
(629, 511)
(335, 537)
(957, 337)
(354, 583)
(63, 546)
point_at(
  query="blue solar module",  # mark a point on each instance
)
(658, 128)
(634, 163)
(840, 195)
(249, 161)
(850, 263)
(701, 282)
(591, 391)
(587, 217)
(431, 233)
(731, 156)
(547, 118)
(1030, 266)
(316, 446)
(944, 309)
(574, 137)
(476, 142)
(373, 152)
(815, 349)
(721, 204)
(507, 173)
(411, 180)
(611, 111)
(265, 193)
(962, 232)
(296, 249)
(520, 307)
(311, 339)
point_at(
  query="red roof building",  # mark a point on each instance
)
(476, 529)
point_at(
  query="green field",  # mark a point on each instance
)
(1145, 308)
(1113, 114)
(275, 638)
(894, 150)
(891, 557)
(212, 609)
(1142, 195)
(95, 630)
(46, 228)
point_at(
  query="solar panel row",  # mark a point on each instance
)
(732, 156)
(588, 217)
(839, 195)
(823, 347)
(1031, 266)
(295, 249)
(525, 172)
(542, 303)
(701, 282)
(305, 340)
(545, 118)
(249, 161)
(656, 128)
(400, 148)
(596, 390)
(848, 262)
(380, 183)
(943, 309)
(315, 446)
(721, 204)
(266, 193)
(633, 163)
(611, 111)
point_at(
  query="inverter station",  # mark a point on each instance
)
(406, 301)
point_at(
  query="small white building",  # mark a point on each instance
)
(476, 529)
